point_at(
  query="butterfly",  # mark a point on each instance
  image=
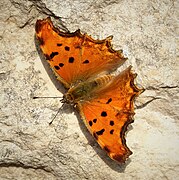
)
(83, 65)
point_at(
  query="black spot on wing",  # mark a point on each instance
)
(90, 123)
(103, 114)
(71, 59)
(53, 54)
(111, 123)
(100, 132)
(67, 48)
(59, 44)
(94, 120)
(112, 131)
(61, 64)
(86, 62)
(109, 100)
(57, 67)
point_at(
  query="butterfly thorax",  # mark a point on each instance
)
(85, 90)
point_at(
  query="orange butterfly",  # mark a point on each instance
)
(105, 102)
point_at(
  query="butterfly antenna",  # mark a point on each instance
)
(36, 97)
(56, 114)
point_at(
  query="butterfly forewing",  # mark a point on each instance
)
(74, 56)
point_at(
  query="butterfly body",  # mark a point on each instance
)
(105, 102)
(84, 91)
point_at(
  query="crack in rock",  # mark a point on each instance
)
(146, 103)
(41, 7)
(20, 164)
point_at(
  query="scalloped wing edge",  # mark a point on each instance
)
(78, 34)
(130, 119)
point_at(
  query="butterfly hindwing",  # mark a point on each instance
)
(108, 115)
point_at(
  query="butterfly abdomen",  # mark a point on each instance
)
(101, 81)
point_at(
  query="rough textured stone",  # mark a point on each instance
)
(31, 149)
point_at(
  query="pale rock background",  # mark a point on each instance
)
(31, 149)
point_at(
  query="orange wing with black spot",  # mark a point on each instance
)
(109, 113)
(74, 56)
(76, 59)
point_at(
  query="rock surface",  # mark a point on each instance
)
(31, 149)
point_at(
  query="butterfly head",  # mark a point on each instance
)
(68, 98)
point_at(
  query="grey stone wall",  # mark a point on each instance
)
(31, 149)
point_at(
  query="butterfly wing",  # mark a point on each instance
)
(108, 115)
(75, 57)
